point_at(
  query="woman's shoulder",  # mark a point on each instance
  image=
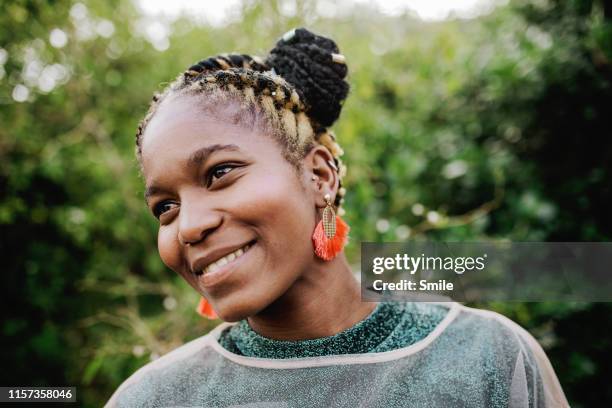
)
(492, 331)
(531, 373)
(494, 324)
(134, 390)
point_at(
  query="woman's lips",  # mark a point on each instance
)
(214, 278)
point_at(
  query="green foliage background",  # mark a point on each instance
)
(490, 128)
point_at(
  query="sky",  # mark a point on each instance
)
(216, 11)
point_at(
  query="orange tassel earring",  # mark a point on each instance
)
(204, 309)
(331, 234)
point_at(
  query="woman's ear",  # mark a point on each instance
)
(322, 173)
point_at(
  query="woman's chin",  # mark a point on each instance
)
(234, 311)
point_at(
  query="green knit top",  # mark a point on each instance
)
(390, 326)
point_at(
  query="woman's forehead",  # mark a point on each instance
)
(174, 121)
(180, 128)
(183, 119)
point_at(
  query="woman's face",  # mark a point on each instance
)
(228, 203)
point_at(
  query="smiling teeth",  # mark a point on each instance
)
(226, 259)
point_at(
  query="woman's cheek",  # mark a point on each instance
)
(265, 196)
(168, 247)
(279, 208)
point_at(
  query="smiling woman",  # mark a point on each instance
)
(218, 187)
(244, 176)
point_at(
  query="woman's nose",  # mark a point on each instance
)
(196, 221)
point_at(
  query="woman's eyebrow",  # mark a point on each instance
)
(151, 191)
(195, 160)
(201, 155)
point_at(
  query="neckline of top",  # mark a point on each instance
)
(343, 359)
(361, 337)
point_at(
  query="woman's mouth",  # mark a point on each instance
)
(217, 271)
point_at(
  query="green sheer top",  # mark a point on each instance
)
(420, 355)
(390, 326)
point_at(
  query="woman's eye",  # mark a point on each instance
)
(219, 171)
(163, 207)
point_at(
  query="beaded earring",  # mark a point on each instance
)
(331, 234)
(204, 309)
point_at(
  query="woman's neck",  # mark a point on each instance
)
(324, 301)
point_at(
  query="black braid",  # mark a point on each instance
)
(305, 60)
(212, 64)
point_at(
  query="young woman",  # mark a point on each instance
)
(245, 178)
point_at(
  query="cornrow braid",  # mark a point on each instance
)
(226, 61)
(297, 93)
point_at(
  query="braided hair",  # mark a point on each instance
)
(296, 92)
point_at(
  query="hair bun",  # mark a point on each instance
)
(314, 65)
